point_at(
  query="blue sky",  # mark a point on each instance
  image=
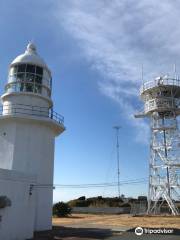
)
(95, 50)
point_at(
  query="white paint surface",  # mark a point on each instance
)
(17, 220)
(27, 146)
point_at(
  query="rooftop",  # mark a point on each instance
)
(30, 56)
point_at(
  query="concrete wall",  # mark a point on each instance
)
(17, 220)
(26, 99)
(105, 210)
(7, 138)
(28, 146)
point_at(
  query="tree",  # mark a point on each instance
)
(61, 209)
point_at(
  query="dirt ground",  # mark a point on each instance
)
(108, 227)
(119, 221)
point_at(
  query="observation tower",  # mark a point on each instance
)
(28, 127)
(161, 98)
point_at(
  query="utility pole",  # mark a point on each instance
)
(117, 149)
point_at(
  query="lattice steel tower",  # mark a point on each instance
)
(162, 105)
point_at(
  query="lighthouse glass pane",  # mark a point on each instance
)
(12, 78)
(38, 79)
(18, 87)
(29, 87)
(20, 77)
(39, 70)
(29, 77)
(37, 88)
(22, 87)
(30, 68)
(22, 68)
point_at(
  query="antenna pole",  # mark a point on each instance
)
(142, 74)
(117, 149)
(175, 75)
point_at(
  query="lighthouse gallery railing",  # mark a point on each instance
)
(22, 109)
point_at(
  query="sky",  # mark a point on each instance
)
(95, 50)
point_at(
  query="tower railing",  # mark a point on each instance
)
(161, 103)
(160, 82)
(23, 109)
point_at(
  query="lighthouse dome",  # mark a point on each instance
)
(30, 56)
(29, 73)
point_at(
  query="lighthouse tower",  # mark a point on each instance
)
(28, 127)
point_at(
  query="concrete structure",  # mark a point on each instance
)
(161, 98)
(28, 127)
(17, 218)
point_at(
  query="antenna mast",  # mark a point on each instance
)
(175, 74)
(142, 74)
(117, 149)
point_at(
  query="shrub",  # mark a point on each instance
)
(142, 198)
(4, 202)
(100, 198)
(83, 198)
(61, 209)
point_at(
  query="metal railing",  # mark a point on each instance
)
(165, 103)
(161, 81)
(23, 109)
(26, 86)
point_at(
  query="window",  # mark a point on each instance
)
(28, 78)
(38, 79)
(29, 87)
(22, 87)
(39, 70)
(12, 78)
(18, 87)
(37, 88)
(30, 68)
(20, 77)
(22, 68)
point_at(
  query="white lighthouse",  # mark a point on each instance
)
(28, 127)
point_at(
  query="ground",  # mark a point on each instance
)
(109, 227)
(119, 221)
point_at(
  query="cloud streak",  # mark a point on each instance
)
(116, 37)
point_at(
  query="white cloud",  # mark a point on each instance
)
(116, 37)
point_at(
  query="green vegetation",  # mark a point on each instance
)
(96, 202)
(4, 202)
(61, 209)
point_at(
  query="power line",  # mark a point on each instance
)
(94, 185)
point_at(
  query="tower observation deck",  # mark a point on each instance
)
(161, 98)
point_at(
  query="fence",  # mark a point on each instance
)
(22, 109)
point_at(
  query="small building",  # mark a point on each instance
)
(28, 127)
